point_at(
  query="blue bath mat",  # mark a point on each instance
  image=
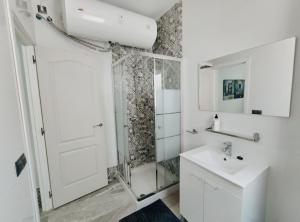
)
(155, 212)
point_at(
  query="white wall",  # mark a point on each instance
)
(16, 199)
(213, 28)
(46, 36)
(25, 105)
(24, 12)
(206, 80)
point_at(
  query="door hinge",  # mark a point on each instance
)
(34, 59)
(50, 194)
(42, 131)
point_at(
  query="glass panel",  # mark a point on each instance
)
(148, 122)
(121, 121)
(138, 72)
(168, 121)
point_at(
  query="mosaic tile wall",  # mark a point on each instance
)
(172, 165)
(119, 51)
(169, 36)
(169, 33)
(140, 106)
(137, 71)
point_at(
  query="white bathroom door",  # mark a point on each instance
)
(70, 88)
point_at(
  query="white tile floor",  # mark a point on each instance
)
(172, 202)
(143, 179)
(109, 204)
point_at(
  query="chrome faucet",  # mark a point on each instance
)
(228, 148)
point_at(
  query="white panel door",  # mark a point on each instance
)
(72, 111)
(221, 206)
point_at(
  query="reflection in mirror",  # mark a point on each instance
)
(254, 81)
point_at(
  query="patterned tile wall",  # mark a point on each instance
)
(169, 36)
(169, 33)
(119, 51)
(140, 108)
(172, 165)
(137, 72)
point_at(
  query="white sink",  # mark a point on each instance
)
(220, 161)
(238, 172)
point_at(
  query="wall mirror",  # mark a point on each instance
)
(254, 81)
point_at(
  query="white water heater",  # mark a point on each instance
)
(98, 21)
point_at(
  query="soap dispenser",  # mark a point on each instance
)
(217, 123)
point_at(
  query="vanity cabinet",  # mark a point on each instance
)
(207, 197)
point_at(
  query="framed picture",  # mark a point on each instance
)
(233, 89)
(228, 86)
(239, 88)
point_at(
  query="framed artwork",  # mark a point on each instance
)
(233, 89)
(239, 88)
(228, 89)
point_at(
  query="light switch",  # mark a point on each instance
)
(20, 164)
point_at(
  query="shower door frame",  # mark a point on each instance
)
(126, 166)
(153, 56)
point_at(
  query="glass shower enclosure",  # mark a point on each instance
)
(148, 121)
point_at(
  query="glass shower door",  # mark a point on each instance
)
(167, 121)
(120, 93)
(141, 129)
(148, 122)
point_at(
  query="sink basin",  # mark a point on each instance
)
(212, 160)
(220, 161)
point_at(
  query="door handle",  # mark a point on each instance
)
(98, 125)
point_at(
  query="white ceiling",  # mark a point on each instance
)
(150, 8)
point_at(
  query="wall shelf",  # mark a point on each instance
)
(255, 138)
